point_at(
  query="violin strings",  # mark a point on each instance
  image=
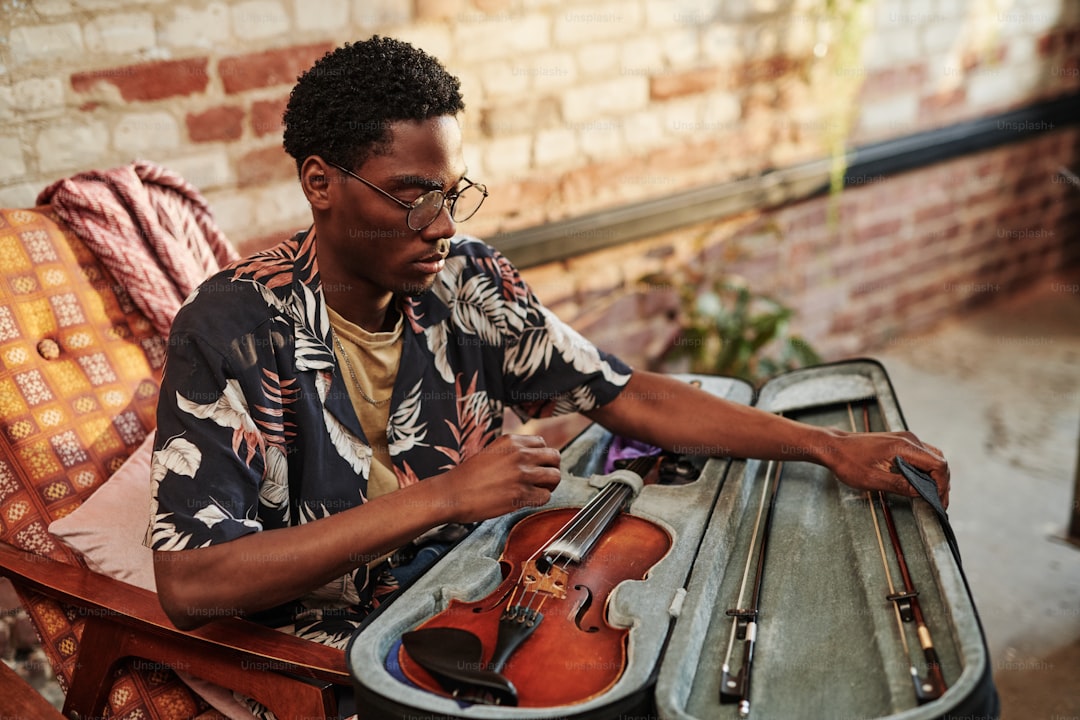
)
(601, 505)
(572, 532)
(570, 525)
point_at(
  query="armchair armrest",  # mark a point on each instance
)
(126, 621)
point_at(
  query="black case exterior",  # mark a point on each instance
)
(827, 641)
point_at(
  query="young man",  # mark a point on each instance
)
(329, 400)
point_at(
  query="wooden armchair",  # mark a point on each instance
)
(79, 373)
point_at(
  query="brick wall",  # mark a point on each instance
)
(905, 253)
(574, 106)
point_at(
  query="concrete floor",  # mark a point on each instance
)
(998, 390)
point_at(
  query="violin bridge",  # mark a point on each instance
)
(553, 582)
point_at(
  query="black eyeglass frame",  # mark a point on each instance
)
(450, 197)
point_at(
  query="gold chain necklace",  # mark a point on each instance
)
(356, 381)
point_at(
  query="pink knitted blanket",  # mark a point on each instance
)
(151, 228)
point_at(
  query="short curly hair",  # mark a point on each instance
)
(341, 109)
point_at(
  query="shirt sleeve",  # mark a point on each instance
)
(207, 463)
(549, 368)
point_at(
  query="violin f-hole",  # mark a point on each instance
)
(583, 609)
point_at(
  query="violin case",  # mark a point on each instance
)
(828, 644)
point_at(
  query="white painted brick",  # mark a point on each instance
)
(233, 210)
(22, 195)
(682, 47)
(502, 35)
(138, 133)
(557, 146)
(507, 156)
(98, 5)
(12, 165)
(885, 115)
(38, 95)
(580, 23)
(53, 8)
(381, 13)
(553, 71)
(601, 139)
(197, 27)
(798, 35)
(43, 42)
(641, 56)
(505, 78)
(259, 19)
(663, 14)
(120, 33)
(939, 37)
(598, 59)
(283, 203)
(433, 38)
(68, 146)
(207, 171)
(7, 103)
(897, 45)
(722, 44)
(995, 87)
(612, 97)
(1034, 17)
(683, 117)
(721, 112)
(1023, 48)
(644, 130)
(472, 88)
(323, 15)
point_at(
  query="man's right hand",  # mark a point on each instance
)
(514, 471)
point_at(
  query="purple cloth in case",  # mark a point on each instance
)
(627, 449)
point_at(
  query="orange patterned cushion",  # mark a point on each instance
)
(79, 372)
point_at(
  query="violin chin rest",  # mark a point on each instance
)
(455, 658)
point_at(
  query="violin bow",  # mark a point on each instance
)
(906, 606)
(736, 687)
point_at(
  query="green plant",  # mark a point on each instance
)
(727, 329)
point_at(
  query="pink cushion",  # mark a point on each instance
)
(107, 531)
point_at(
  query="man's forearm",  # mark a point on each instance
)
(265, 569)
(673, 415)
(679, 417)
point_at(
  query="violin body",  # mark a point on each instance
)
(573, 654)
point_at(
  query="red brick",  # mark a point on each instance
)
(149, 81)
(884, 228)
(270, 67)
(261, 166)
(935, 212)
(769, 69)
(945, 100)
(1049, 43)
(687, 82)
(266, 116)
(895, 79)
(220, 123)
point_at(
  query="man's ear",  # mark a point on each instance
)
(316, 178)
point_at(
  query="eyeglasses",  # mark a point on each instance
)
(423, 210)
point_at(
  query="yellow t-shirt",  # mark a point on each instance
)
(371, 361)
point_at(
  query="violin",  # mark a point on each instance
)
(541, 638)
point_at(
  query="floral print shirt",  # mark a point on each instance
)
(255, 426)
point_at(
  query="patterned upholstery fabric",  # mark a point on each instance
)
(79, 372)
